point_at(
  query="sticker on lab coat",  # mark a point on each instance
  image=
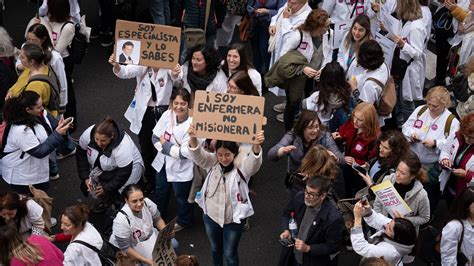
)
(418, 123)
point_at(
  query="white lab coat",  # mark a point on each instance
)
(283, 27)
(341, 10)
(450, 238)
(414, 34)
(142, 98)
(343, 55)
(79, 255)
(178, 167)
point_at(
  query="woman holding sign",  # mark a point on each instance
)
(407, 181)
(151, 100)
(174, 169)
(224, 197)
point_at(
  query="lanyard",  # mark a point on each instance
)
(458, 158)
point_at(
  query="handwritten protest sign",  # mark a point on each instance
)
(147, 44)
(163, 253)
(391, 200)
(229, 117)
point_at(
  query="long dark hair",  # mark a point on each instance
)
(364, 21)
(245, 63)
(306, 117)
(397, 143)
(40, 31)
(13, 201)
(58, 10)
(14, 111)
(210, 56)
(333, 82)
(460, 208)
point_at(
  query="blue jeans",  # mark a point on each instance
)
(181, 192)
(160, 11)
(224, 241)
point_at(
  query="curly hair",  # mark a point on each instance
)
(467, 125)
(398, 145)
(317, 18)
(210, 57)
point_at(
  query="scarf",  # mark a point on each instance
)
(197, 82)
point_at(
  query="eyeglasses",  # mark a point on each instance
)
(311, 195)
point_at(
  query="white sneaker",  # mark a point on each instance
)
(54, 222)
(279, 108)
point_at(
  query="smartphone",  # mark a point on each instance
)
(286, 242)
(364, 200)
(359, 168)
(68, 120)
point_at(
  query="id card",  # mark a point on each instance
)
(167, 136)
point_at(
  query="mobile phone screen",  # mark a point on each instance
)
(359, 168)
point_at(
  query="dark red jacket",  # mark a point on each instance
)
(357, 145)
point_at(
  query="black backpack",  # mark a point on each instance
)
(78, 47)
(53, 82)
(107, 254)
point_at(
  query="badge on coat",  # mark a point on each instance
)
(434, 127)
(303, 45)
(89, 151)
(359, 147)
(161, 81)
(167, 136)
(418, 123)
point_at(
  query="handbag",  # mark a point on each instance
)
(46, 202)
(453, 60)
(460, 87)
(244, 28)
(197, 36)
(108, 253)
(78, 47)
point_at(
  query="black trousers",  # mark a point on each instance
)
(147, 149)
(442, 50)
(71, 109)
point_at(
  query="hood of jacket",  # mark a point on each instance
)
(402, 249)
(118, 136)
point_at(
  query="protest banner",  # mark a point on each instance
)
(147, 44)
(391, 200)
(231, 117)
(163, 252)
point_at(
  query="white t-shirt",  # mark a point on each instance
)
(18, 166)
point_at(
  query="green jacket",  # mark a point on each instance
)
(287, 73)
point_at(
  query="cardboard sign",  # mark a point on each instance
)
(231, 117)
(163, 253)
(391, 200)
(147, 44)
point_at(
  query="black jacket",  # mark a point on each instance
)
(111, 181)
(325, 235)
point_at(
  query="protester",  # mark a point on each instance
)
(358, 33)
(359, 133)
(224, 228)
(467, 73)
(428, 129)
(407, 181)
(332, 101)
(341, 11)
(36, 250)
(241, 83)
(261, 13)
(173, 166)
(368, 75)
(237, 60)
(297, 142)
(107, 161)
(313, 40)
(134, 228)
(74, 222)
(407, 61)
(7, 58)
(35, 62)
(151, 100)
(457, 237)
(320, 226)
(457, 160)
(29, 141)
(397, 236)
(21, 213)
(201, 71)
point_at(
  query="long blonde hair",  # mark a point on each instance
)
(318, 161)
(12, 246)
(408, 10)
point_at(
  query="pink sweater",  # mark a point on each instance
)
(52, 256)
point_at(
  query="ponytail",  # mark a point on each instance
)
(106, 127)
(77, 214)
(415, 167)
(36, 53)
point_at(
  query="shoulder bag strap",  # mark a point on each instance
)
(376, 81)
(87, 245)
(208, 9)
(126, 216)
(447, 126)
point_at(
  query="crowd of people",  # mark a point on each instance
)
(357, 112)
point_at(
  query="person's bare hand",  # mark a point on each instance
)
(309, 72)
(353, 83)
(301, 246)
(375, 7)
(285, 234)
(272, 30)
(336, 135)
(262, 11)
(446, 163)
(112, 60)
(449, 5)
(176, 71)
(429, 143)
(63, 126)
(459, 172)
(287, 149)
(349, 160)
(99, 191)
(287, 12)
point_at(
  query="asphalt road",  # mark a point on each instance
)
(100, 93)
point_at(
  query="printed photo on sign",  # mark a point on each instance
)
(128, 52)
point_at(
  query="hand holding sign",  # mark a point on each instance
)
(259, 139)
